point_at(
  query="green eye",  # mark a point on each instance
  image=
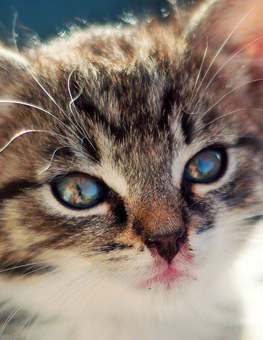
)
(79, 191)
(205, 167)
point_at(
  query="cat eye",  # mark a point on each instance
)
(205, 167)
(79, 191)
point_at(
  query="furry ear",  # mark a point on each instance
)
(234, 25)
(231, 31)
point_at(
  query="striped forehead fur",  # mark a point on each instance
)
(111, 224)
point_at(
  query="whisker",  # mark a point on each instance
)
(52, 272)
(25, 132)
(198, 76)
(72, 100)
(52, 157)
(16, 309)
(61, 172)
(82, 285)
(243, 218)
(12, 314)
(40, 109)
(227, 94)
(58, 261)
(33, 76)
(61, 260)
(58, 297)
(234, 55)
(86, 293)
(218, 52)
(72, 103)
(92, 251)
(224, 115)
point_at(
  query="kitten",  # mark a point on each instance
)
(131, 178)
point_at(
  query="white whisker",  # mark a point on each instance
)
(72, 100)
(198, 76)
(81, 285)
(227, 94)
(40, 109)
(233, 56)
(9, 318)
(72, 103)
(218, 52)
(17, 308)
(224, 115)
(29, 131)
(51, 160)
(33, 76)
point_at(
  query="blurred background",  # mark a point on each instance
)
(44, 19)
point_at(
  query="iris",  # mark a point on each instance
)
(80, 191)
(204, 167)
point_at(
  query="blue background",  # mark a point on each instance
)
(47, 18)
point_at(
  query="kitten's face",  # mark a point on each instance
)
(140, 153)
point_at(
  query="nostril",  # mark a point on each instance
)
(180, 241)
(150, 243)
(167, 246)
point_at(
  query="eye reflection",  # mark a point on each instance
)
(205, 167)
(80, 191)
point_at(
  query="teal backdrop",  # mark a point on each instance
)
(46, 18)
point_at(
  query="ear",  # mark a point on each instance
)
(232, 33)
(239, 21)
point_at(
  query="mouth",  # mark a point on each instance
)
(167, 278)
(166, 275)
